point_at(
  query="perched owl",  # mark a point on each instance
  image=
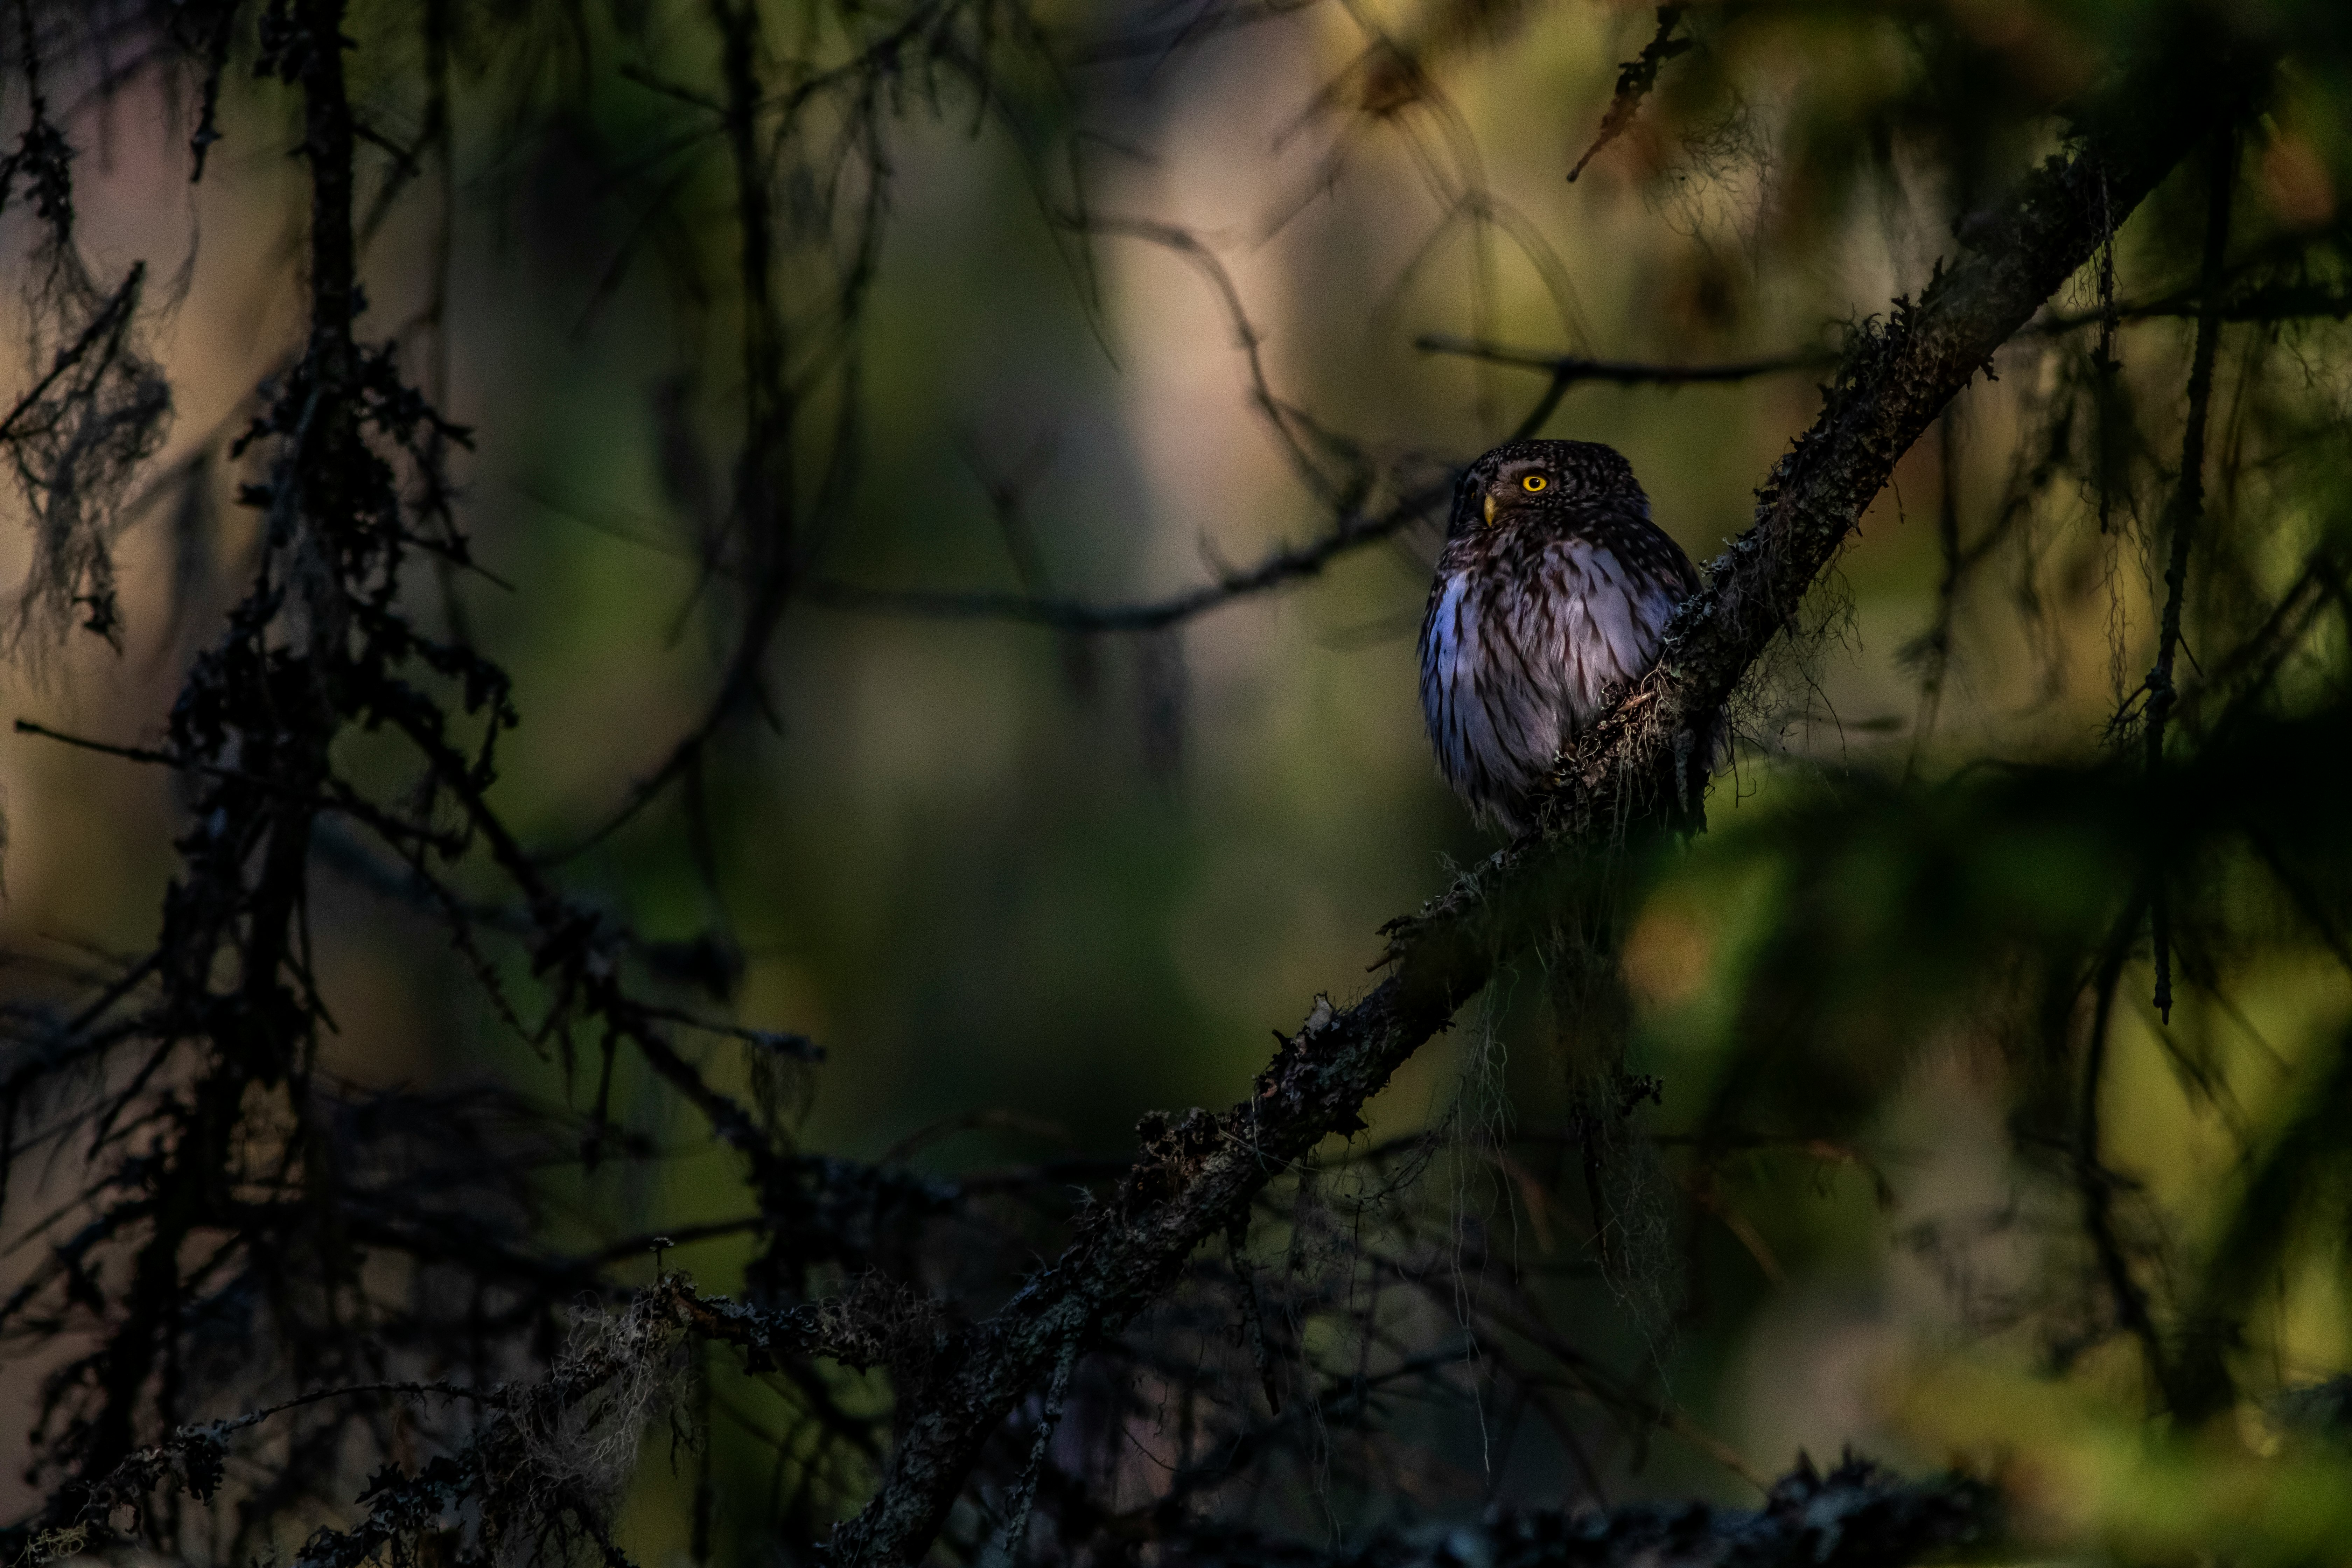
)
(1554, 587)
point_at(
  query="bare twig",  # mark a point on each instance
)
(2186, 511)
(1280, 569)
(1635, 77)
(1567, 370)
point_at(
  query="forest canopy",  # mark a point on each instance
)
(691, 678)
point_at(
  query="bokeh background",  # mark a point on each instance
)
(1069, 878)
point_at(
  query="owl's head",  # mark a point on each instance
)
(1524, 481)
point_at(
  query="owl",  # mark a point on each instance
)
(1553, 592)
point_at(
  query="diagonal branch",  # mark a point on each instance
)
(1196, 1173)
(1635, 77)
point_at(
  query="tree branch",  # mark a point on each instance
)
(1569, 369)
(2187, 510)
(1857, 1516)
(1352, 530)
(1635, 77)
(1197, 1171)
(1279, 569)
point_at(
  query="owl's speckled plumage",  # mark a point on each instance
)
(1545, 602)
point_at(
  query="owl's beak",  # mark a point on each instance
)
(1490, 511)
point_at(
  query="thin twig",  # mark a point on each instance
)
(2187, 510)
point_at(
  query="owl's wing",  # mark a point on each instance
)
(1671, 578)
(1591, 611)
(1650, 553)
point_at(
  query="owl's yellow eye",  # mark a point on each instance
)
(1533, 483)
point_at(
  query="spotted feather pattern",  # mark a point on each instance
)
(1550, 600)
